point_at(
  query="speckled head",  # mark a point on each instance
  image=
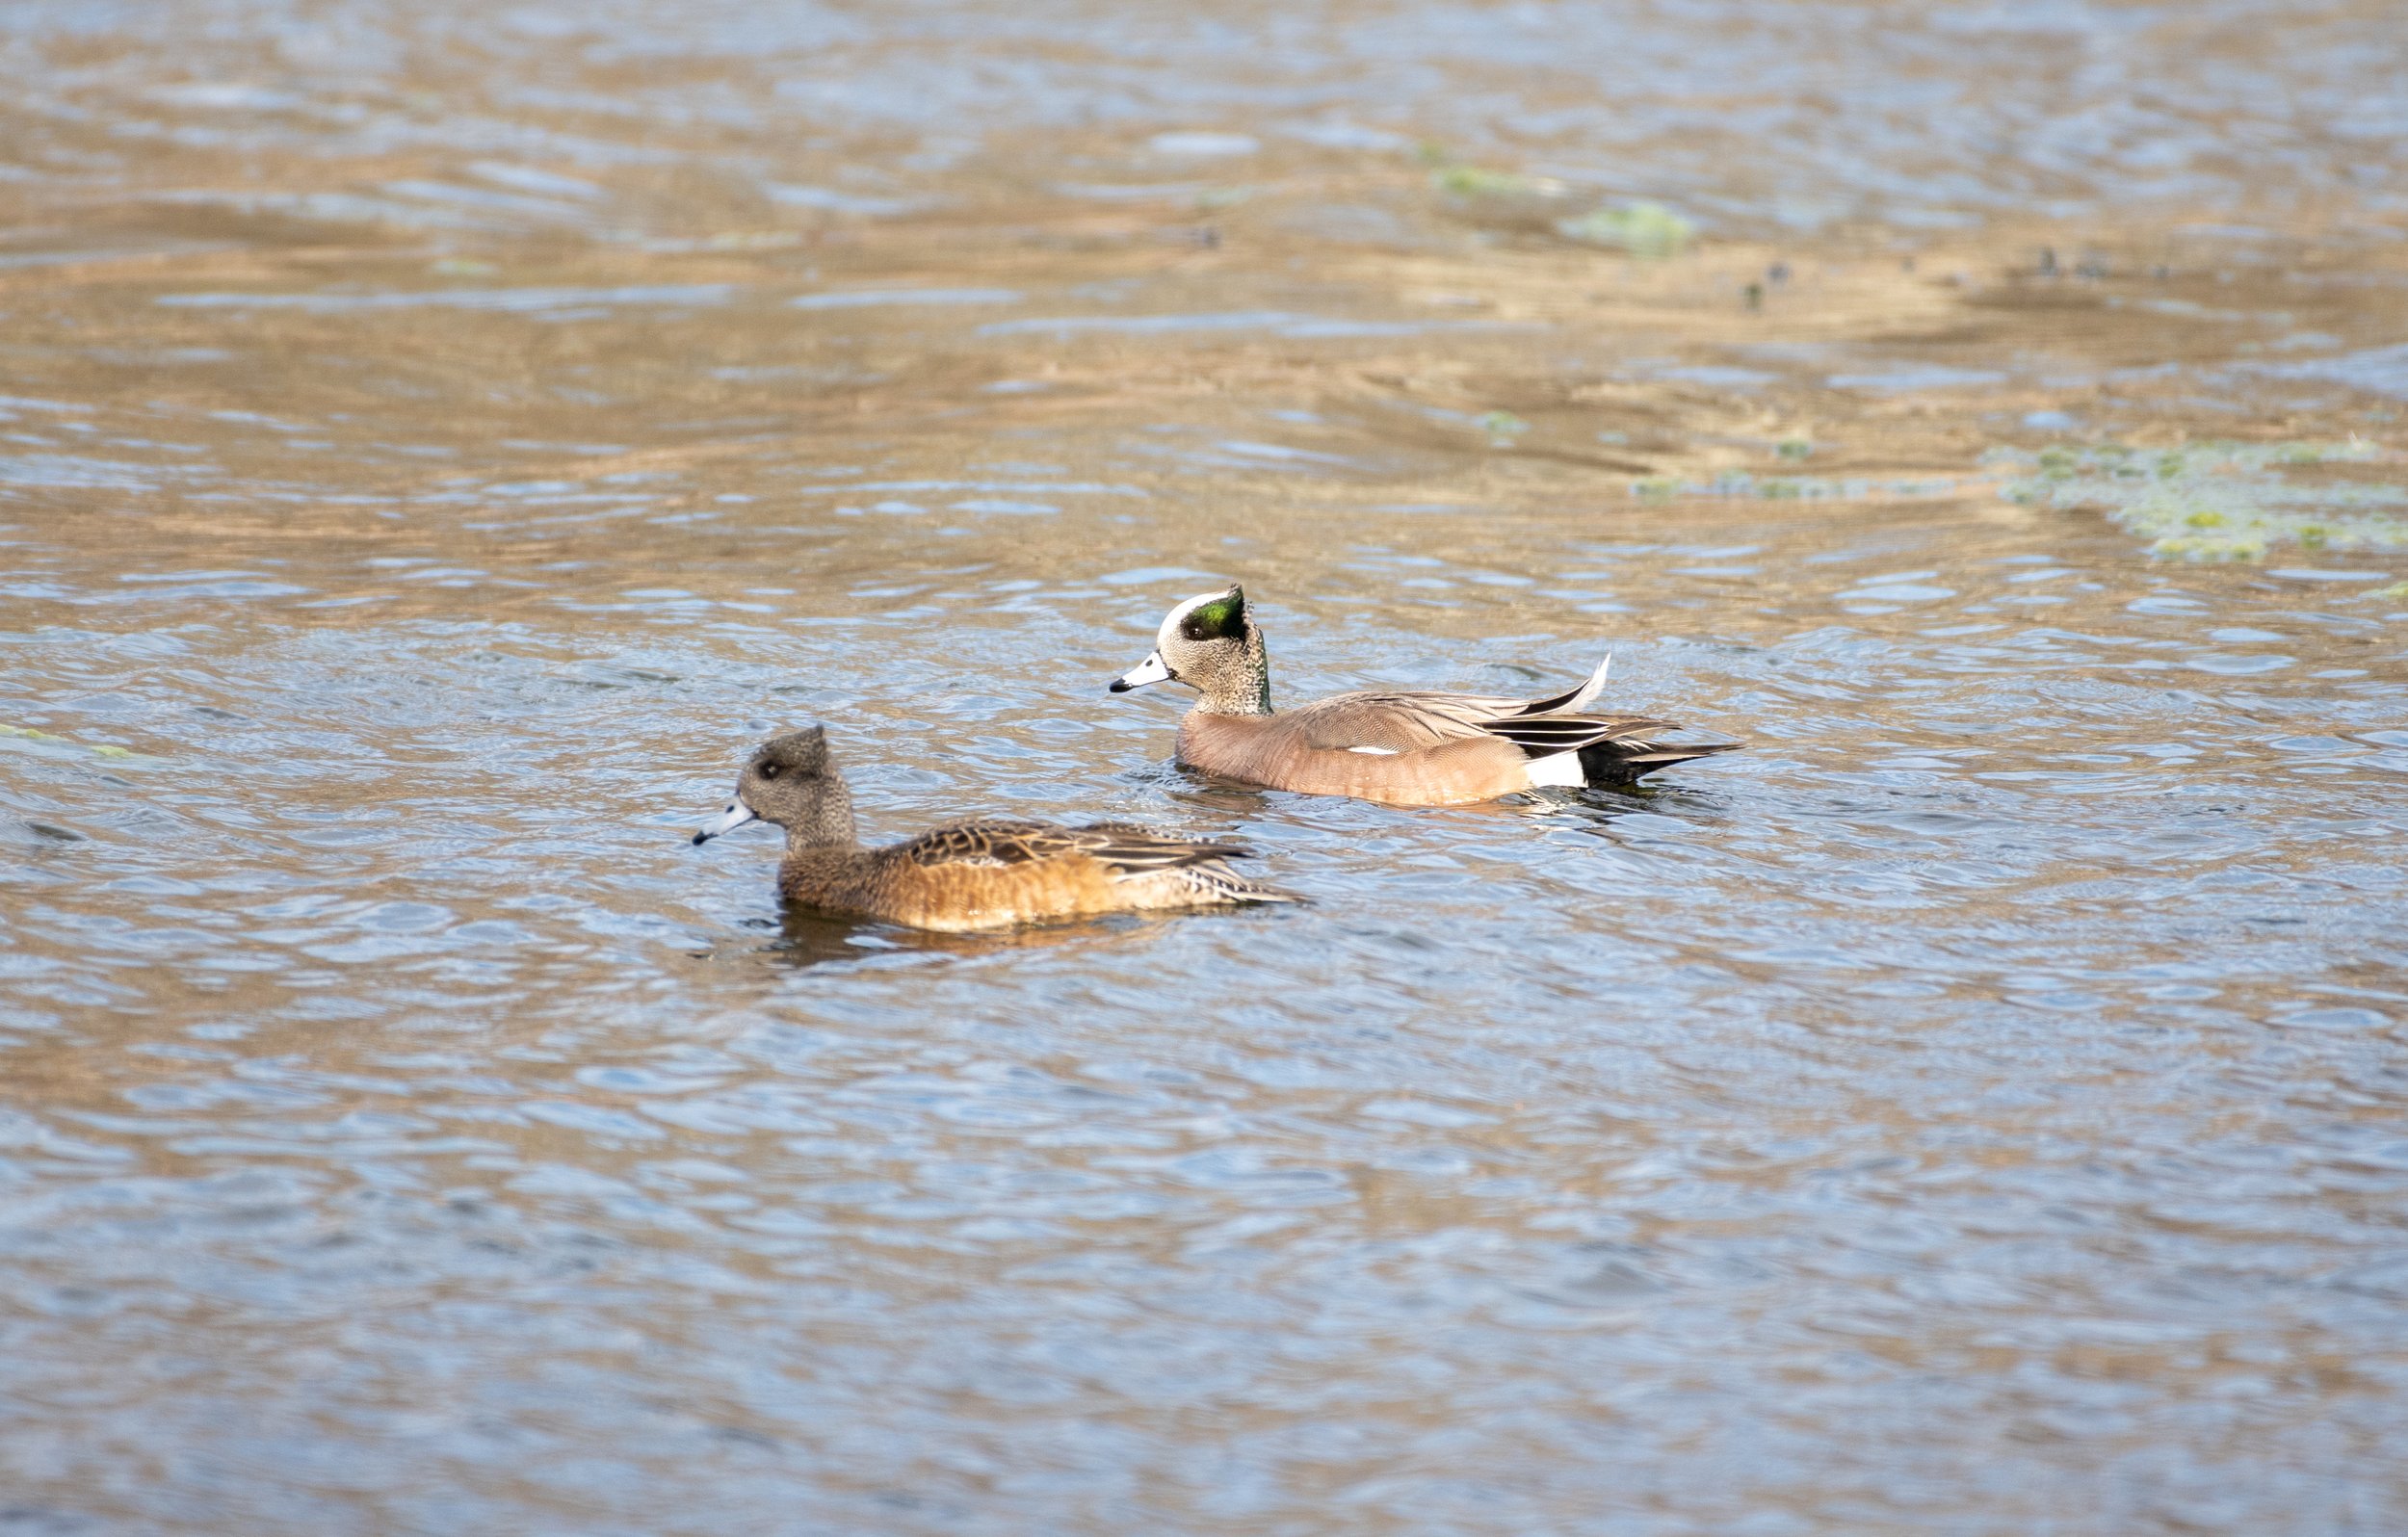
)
(792, 782)
(1212, 644)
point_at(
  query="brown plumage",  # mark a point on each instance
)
(985, 874)
(1405, 748)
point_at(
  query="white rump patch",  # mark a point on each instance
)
(1561, 770)
(1375, 752)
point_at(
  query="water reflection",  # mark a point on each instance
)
(806, 940)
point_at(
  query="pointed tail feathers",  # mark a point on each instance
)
(1224, 884)
(1613, 749)
(1168, 862)
(1545, 736)
(1622, 763)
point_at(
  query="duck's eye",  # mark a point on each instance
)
(770, 771)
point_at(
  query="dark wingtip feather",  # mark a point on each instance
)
(1545, 736)
(1136, 850)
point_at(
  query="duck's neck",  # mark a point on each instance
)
(825, 823)
(1240, 690)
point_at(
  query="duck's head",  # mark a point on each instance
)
(1212, 644)
(791, 782)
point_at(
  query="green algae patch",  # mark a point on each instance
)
(1477, 181)
(1503, 428)
(49, 745)
(2219, 502)
(1640, 228)
(1459, 178)
(1738, 484)
(1643, 229)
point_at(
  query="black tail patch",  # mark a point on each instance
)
(1623, 763)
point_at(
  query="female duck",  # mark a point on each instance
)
(1399, 747)
(985, 874)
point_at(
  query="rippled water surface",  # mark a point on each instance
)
(435, 445)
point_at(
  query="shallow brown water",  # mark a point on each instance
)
(436, 447)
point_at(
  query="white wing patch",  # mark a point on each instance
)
(1375, 752)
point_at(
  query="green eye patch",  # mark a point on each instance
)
(1222, 618)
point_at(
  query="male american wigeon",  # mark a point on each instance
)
(1404, 748)
(985, 874)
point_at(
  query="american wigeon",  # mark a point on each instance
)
(1402, 748)
(986, 873)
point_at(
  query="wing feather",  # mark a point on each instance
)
(1399, 721)
(1544, 736)
(1124, 848)
(1396, 721)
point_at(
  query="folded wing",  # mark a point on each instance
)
(1612, 748)
(1123, 848)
